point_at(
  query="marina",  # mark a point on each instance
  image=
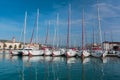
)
(60, 40)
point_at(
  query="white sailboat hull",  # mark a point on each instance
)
(63, 51)
(47, 52)
(24, 52)
(99, 53)
(58, 52)
(36, 52)
(83, 53)
(70, 53)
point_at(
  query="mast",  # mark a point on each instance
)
(54, 35)
(57, 30)
(93, 35)
(104, 36)
(111, 39)
(25, 27)
(111, 36)
(99, 26)
(46, 40)
(37, 19)
(68, 34)
(35, 25)
(83, 29)
(105, 40)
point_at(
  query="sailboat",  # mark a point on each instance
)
(24, 51)
(35, 51)
(57, 51)
(47, 50)
(83, 53)
(98, 51)
(71, 52)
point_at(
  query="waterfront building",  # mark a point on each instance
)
(111, 45)
(1, 45)
(10, 44)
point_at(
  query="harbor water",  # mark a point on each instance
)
(58, 68)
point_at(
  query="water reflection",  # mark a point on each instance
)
(85, 60)
(58, 68)
(71, 60)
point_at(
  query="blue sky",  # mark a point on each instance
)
(12, 18)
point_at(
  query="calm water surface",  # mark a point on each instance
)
(58, 68)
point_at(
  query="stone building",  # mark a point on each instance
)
(10, 44)
(111, 45)
(1, 45)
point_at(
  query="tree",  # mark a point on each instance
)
(15, 46)
(4, 45)
(20, 45)
(10, 46)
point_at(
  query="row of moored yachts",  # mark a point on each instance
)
(63, 52)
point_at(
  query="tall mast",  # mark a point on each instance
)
(54, 35)
(68, 34)
(37, 19)
(47, 32)
(99, 26)
(111, 36)
(104, 36)
(57, 29)
(105, 40)
(25, 27)
(83, 29)
(112, 39)
(93, 35)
